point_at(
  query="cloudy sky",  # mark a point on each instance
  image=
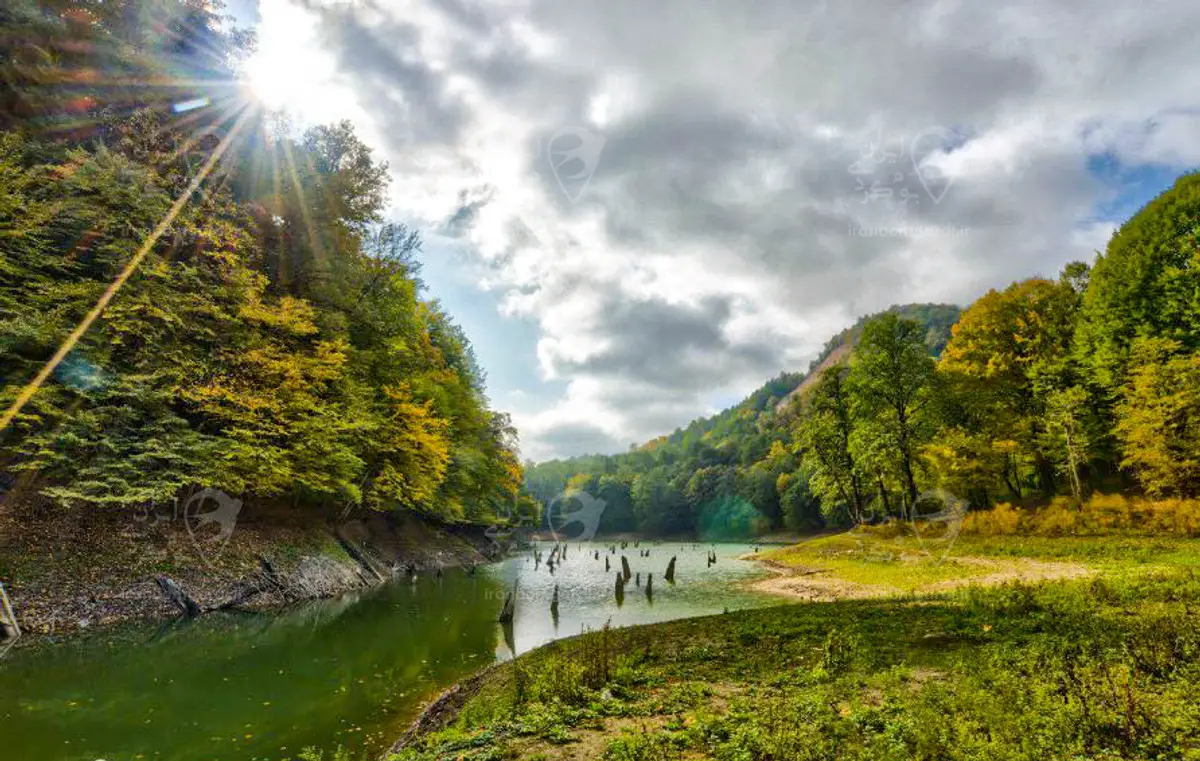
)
(640, 211)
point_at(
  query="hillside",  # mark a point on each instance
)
(720, 475)
(201, 305)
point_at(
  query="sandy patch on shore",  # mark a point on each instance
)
(815, 584)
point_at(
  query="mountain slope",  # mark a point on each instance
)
(733, 469)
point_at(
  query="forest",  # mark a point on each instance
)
(1049, 388)
(220, 296)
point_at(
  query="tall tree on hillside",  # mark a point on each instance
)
(890, 376)
(825, 431)
(272, 340)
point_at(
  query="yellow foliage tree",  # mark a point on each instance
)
(1158, 419)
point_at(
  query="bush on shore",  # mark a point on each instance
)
(1101, 514)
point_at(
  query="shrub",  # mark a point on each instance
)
(559, 678)
(838, 651)
(1001, 520)
(644, 747)
(1101, 514)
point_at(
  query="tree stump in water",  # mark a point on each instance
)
(625, 568)
(671, 571)
(510, 606)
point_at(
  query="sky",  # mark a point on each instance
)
(641, 211)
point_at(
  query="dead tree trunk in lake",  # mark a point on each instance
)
(510, 606)
(360, 557)
(671, 571)
(625, 568)
(178, 597)
(9, 629)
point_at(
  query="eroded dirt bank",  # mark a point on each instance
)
(67, 570)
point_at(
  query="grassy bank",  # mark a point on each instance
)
(1103, 666)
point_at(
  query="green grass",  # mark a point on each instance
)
(1097, 669)
(902, 563)
(1116, 552)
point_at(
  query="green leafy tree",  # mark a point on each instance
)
(890, 376)
(1145, 284)
(825, 433)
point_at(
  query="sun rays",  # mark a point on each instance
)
(246, 112)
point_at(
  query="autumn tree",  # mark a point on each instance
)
(1158, 417)
(1005, 358)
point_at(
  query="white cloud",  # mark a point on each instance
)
(720, 237)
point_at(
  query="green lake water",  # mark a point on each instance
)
(352, 671)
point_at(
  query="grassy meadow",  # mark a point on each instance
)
(958, 651)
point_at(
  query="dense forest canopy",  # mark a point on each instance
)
(275, 341)
(1048, 387)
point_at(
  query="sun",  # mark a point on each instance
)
(275, 81)
(290, 70)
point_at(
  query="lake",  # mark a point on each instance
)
(352, 671)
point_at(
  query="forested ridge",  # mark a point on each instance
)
(1050, 388)
(728, 474)
(276, 342)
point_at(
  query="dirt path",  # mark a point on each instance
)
(821, 585)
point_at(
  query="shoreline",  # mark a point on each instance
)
(68, 572)
(787, 583)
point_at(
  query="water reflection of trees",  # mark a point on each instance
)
(307, 676)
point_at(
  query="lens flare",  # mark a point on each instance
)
(248, 110)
